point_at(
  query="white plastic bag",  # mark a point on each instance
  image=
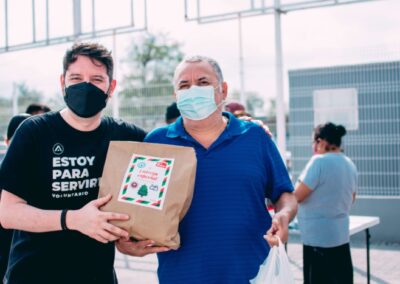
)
(275, 269)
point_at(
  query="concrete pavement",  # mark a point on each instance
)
(385, 264)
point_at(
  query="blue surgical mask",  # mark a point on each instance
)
(196, 103)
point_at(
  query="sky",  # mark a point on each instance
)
(347, 34)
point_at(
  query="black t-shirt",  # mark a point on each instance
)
(5, 241)
(54, 166)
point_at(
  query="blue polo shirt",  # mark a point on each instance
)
(222, 232)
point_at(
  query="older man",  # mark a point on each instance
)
(238, 166)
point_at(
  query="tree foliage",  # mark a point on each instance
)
(27, 95)
(147, 89)
(255, 103)
(152, 60)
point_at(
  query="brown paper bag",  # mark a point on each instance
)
(153, 184)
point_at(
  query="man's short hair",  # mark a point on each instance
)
(14, 123)
(172, 113)
(199, 58)
(35, 108)
(94, 51)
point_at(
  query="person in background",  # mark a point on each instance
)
(237, 109)
(14, 123)
(172, 113)
(326, 190)
(36, 108)
(6, 235)
(238, 166)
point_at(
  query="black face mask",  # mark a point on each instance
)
(85, 99)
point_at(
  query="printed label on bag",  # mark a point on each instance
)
(146, 181)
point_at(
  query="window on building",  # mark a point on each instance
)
(339, 106)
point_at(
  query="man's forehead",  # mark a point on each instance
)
(85, 63)
(196, 69)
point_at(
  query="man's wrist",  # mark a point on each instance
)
(283, 216)
(70, 219)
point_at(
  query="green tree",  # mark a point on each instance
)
(255, 103)
(26, 95)
(143, 191)
(147, 89)
(152, 60)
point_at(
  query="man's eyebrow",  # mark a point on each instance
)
(203, 78)
(183, 82)
(74, 74)
(98, 76)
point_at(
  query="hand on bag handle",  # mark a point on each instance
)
(278, 231)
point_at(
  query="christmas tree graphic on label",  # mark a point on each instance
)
(146, 181)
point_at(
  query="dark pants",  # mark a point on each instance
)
(327, 265)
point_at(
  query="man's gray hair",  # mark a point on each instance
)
(199, 58)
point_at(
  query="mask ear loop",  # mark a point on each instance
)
(221, 103)
(220, 89)
(107, 93)
(108, 90)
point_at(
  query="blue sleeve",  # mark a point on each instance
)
(18, 166)
(278, 177)
(156, 136)
(311, 174)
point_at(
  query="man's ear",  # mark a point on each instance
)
(224, 90)
(112, 87)
(62, 83)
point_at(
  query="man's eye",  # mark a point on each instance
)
(183, 87)
(204, 83)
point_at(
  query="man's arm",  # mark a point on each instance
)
(15, 213)
(286, 209)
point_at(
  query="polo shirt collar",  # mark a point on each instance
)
(235, 127)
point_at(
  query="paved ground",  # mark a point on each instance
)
(385, 264)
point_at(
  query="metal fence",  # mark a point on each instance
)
(373, 141)
(145, 106)
(374, 145)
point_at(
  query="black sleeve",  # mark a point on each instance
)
(139, 133)
(18, 168)
(127, 132)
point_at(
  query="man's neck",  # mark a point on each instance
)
(206, 131)
(80, 123)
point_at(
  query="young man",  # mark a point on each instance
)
(238, 165)
(50, 180)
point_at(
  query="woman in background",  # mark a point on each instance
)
(325, 191)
